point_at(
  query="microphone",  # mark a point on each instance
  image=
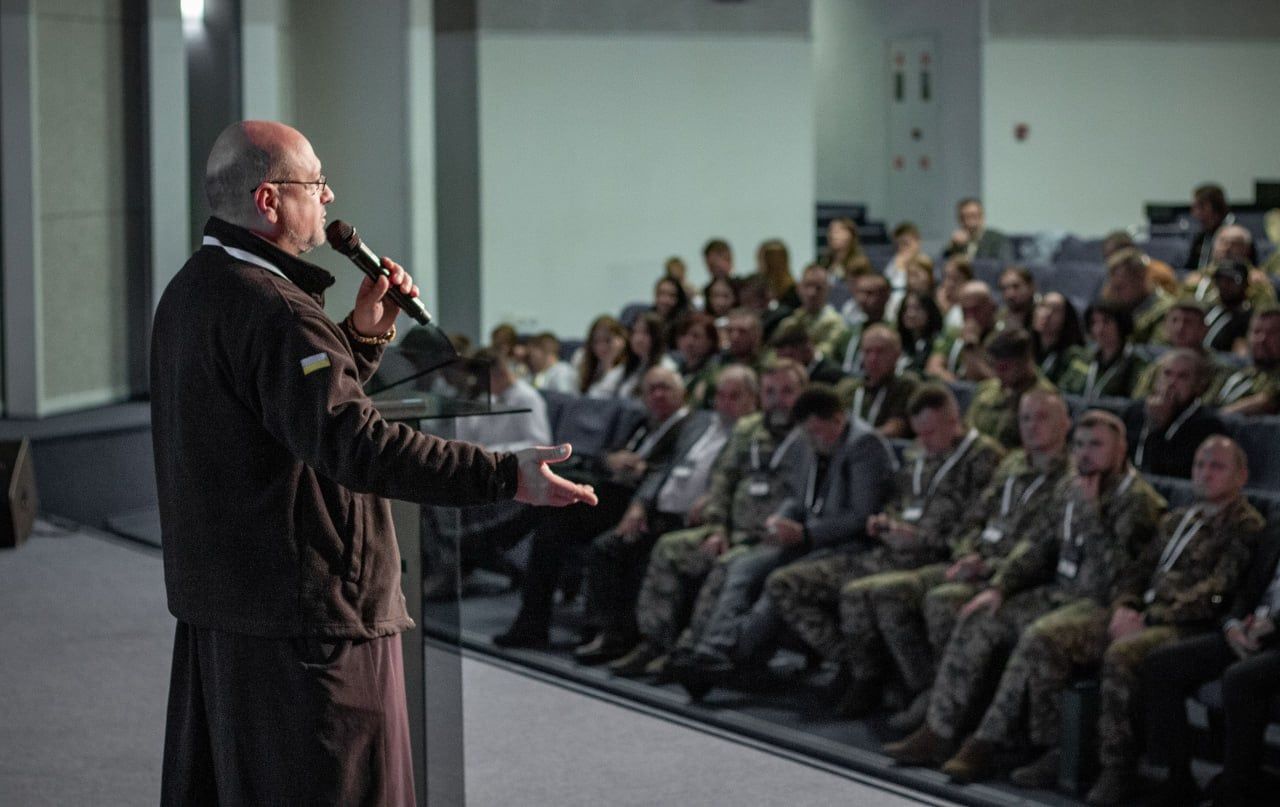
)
(344, 238)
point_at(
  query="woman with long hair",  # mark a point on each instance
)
(603, 358)
(670, 303)
(842, 246)
(1055, 327)
(1111, 368)
(646, 348)
(697, 341)
(774, 264)
(919, 324)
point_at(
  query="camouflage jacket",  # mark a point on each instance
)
(1247, 382)
(749, 483)
(826, 328)
(994, 522)
(935, 490)
(1086, 376)
(1147, 379)
(994, 409)
(1192, 584)
(876, 406)
(1083, 547)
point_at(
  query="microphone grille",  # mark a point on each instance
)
(342, 237)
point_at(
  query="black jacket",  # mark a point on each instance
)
(271, 461)
(1168, 454)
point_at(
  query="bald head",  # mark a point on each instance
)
(243, 156)
(1232, 242)
(1220, 470)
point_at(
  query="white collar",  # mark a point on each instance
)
(247, 257)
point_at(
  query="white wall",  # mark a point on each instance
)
(601, 155)
(1116, 123)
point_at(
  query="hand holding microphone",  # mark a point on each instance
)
(371, 311)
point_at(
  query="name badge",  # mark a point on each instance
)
(913, 513)
(682, 472)
(992, 535)
(758, 488)
(1068, 568)
(1149, 596)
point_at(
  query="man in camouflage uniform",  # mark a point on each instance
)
(942, 474)
(823, 323)
(1184, 327)
(1181, 586)
(871, 292)
(958, 356)
(907, 616)
(765, 463)
(1129, 284)
(994, 408)
(880, 396)
(1098, 521)
(1255, 389)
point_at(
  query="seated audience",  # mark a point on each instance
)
(676, 269)
(1255, 389)
(1166, 428)
(604, 358)
(1232, 243)
(824, 324)
(510, 432)
(1110, 368)
(956, 272)
(1183, 327)
(616, 478)
(919, 326)
(1209, 208)
(959, 356)
(647, 348)
(1059, 339)
(1018, 290)
(1161, 274)
(944, 471)
(774, 266)
(843, 249)
(792, 341)
(1179, 586)
(546, 371)
(1244, 651)
(906, 243)
(670, 303)
(994, 408)
(753, 293)
(871, 291)
(696, 341)
(1228, 320)
(973, 238)
(505, 342)
(765, 463)
(1070, 554)
(898, 623)
(718, 257)
(745, 339)
(880, 395)
(668, 500)
(721, 297)
(1129, 285)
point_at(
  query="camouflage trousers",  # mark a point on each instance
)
(973, 658)
(807, 594)
(882, 618)
(677, 566)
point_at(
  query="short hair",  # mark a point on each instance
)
(814, 267)
(697, 320)
(1211, 194)
(673, 261)
(1201, 367)
(1011, 343)
(672, 376)
(962, 264)
(716, 245)
(1130, 262)
(817, 400)
(548, 341)
(795, 368)
(1022, 272)
(858, 265)
(1096, 418)
(490, 357)
(504, 332)
(1237, 453)
(884, 332)
(1114, 311)
(791, 334)
(237, 165)
(743, 373)
(742, 312)
(877, 279)
(930, 395)
(1116, 240)
(968, 200)
(906, 228)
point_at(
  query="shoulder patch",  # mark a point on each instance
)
(313, 363)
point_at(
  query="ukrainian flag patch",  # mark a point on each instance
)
(312, 363)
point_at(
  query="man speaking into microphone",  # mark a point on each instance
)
(280, 559)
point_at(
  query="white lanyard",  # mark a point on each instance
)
(1168, 435)
(1007, 499)
(1092, 380)
(1181, 537)
(1067, 515)
(851, 353)
(953, 358)
(647, 444)
(811, 490)
(942, 472)
(778, 453)
(859, 396)
(1217, 320)
(1235, 386)
(240, 254)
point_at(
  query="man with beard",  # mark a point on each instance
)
(1255, 390)
(1166, 429)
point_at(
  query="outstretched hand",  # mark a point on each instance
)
(538, 485)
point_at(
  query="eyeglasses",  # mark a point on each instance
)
(315, 186)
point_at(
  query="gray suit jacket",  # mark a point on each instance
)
(860, 482)
(694, 426)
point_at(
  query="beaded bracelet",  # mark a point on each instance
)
(385, 339)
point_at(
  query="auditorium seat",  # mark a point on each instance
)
(568, 347)
(1260, 439)
(1078, 281)
(631, 312)
(988, 270)
(879, 255)
(839, 294)
(963, 390)
(1170, 249)
(1073, 248)
(556, 403)
(588, 423)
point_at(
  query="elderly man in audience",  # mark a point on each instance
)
(547, 372)
(1232, 243)
(792, 341)
(1244, 650)
(1255, 389)
(823, 323)
(994, 408)
(973, 238)
(765, 463)
(646, 450)
(1018, 290)
(1069, 552)
(945, 470)
(1167, 427)
(880, 396)
(1178, 587)
(1111, 367)
(1129, 284)
(850, 478)
(1183, 327)
(959, 356)
(667, 500)
(871, 292)
(902, 619)
(1228, 320)
(850, 310)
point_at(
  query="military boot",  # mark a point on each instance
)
(1039, 774)
(922, 747)
(633, 664)
(975, 761)
(1114, 786)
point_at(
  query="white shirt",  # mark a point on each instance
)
(691, 475)
(510, 432)
(559, 377)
